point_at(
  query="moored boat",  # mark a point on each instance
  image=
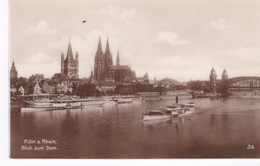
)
(124, 100)
(91, 102)
(60, 104)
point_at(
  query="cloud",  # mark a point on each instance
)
(40, 63)
(220, 23)
(41, 28)
(116, 13)
(171, 38)
(40, 58)
(175, 61)
(48, 69)
(250, 54)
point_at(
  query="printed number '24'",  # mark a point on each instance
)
(250, 147)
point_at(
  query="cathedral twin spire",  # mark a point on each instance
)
(104, 63)
(117, 59)
(99, 50)
(107, 52)
(106, 56)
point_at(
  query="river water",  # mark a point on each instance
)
(220, 128)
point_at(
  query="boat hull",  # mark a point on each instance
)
(187, 112)
(121, 101)
(156, 117)
(61, 104)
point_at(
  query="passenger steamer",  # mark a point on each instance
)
(172, 111)
(156, 115)
(36, 105)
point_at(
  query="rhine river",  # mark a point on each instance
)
(220, 128)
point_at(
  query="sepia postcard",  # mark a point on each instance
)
(139, 79)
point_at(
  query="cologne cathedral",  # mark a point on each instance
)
(104, 70)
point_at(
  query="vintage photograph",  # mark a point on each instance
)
(134, 79)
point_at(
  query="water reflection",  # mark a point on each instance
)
(152, 124)
(218, 128)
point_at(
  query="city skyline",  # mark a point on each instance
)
(199, 35)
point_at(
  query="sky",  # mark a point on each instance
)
(178, 39)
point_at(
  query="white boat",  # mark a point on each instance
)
(138, 99)
(91, 102)
(124, 100)
(156, 115)
(175, 109)
(60, 104)
(179, 109)
(189, 105)
(187, 109)
(33, 109)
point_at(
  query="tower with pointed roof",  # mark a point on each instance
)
(108, 61)
(99, 63)
(13, 72)
(91, 78)
(69, 66)
(224, 75)
(107, 56)
(213, 81)
(104, 70)
(62, 64)
(117, 59)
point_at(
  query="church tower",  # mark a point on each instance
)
(91, 78)
(108, 61)
(117, 59)
(108, 57)
(62, 64)
(77, 64)
(104, 70)
(13, 72)
(224, 75)
(69, 66)
(99, 63)
(213, 81)
(146, 77)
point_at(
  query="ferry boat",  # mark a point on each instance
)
(180, 109)
(175, 110)
(187, 109)
(156, 115)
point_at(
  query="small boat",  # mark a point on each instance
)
(124, 100)
(91, 102)
(34, 109)
(156, 115)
